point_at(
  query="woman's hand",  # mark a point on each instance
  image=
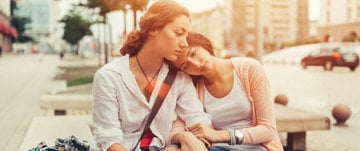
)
(189, 142)
(203, 131)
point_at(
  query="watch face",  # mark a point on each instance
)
(239, 136)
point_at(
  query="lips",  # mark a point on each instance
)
(178, 52)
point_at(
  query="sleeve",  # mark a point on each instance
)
(105, 111)
(188, 107)
(264, 129)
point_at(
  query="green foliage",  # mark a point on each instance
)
(76, 27)
(19, 23)
(137, 4)
(106, 6)
(79, 81)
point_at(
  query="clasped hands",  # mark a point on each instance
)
(198, 137)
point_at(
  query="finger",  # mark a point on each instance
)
(193, 126)
(207, 143)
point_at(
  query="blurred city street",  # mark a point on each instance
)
(23, 79)
(318, 91)
(313, 90)
(90, 33)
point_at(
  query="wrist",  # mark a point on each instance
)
(232, 137)
(239, 137)
(181, 137)
(222, 136)
(236, 137)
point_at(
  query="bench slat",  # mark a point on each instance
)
(295, 120)
(66, 101)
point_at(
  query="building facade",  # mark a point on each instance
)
(211, 24)
(338, 19)
(45, 26)
(283, 22)
(6, 31)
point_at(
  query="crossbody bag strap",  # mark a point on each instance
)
(164, 89)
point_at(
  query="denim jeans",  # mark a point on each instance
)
(238, 148)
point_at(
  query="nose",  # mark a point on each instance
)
(194, 62)
(184, 43)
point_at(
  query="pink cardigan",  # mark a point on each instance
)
(256, 85)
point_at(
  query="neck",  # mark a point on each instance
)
(149, 62)
(221, 70)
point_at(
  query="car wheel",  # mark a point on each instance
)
(303, 64)
(328, 65)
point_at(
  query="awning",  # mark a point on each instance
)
(8, 30)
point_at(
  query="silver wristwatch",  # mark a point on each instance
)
(239, 137)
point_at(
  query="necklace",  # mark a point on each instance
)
(149, 87)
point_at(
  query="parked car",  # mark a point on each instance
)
(332, 55)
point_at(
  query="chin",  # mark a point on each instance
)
(172, 58)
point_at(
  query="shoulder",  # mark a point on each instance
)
(241, 63)
(183, 77)
(119, 65)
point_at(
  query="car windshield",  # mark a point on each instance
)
(349, 48)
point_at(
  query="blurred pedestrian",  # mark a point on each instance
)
(125, 89)
(235, 92)
(0, 51)
(62, 54)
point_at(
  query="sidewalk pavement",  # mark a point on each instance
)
(73, 61)
(336, 139)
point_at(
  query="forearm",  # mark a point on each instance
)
(178, 138)
(188, 141)
(221, 136)
(117, 147)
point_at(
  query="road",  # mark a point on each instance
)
(23, 79)
(317, 90)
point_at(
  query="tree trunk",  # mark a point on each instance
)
(105, 42)
(135, 20)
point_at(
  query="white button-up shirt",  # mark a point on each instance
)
(120, 109)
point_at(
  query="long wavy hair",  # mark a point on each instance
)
(156, 17)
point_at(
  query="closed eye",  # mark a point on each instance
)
(192, 52)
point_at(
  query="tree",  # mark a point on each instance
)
(76, 27)
(19, 23)
(137, 5)
(107, 6)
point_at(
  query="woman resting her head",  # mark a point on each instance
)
(235, 92)
(125, 89)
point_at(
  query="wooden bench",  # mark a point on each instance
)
(296, 123)
(48, 128)
(67, 104)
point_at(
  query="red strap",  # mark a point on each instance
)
(146, 139)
